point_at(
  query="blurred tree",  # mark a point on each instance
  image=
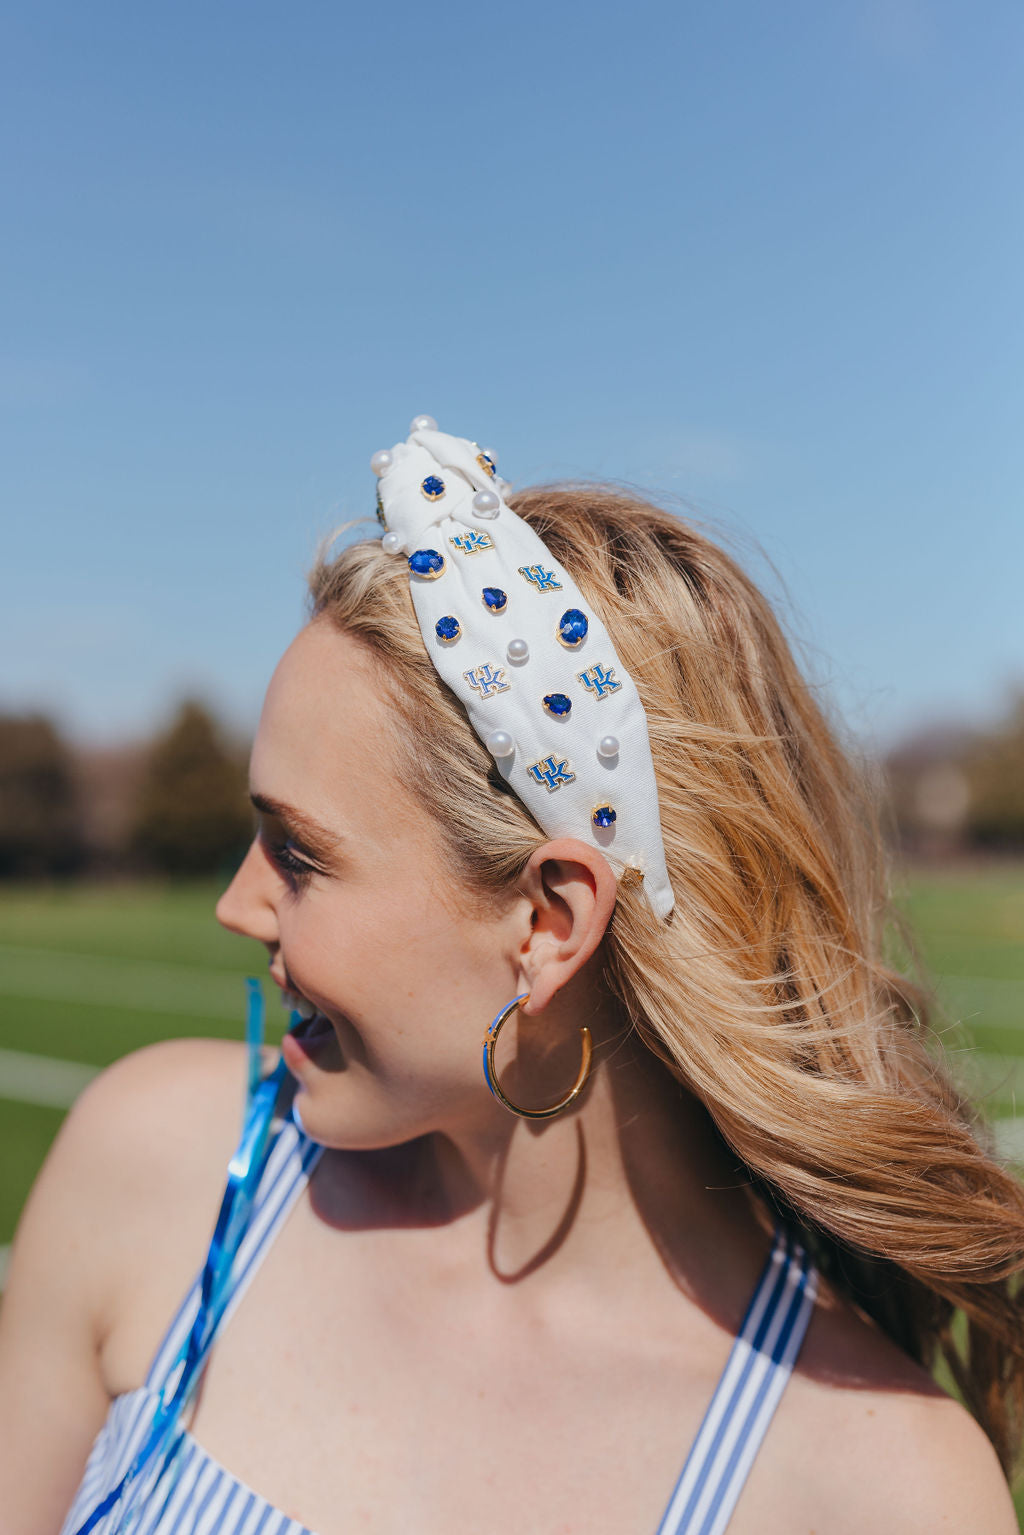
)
(927, 790)
(192, 815)
(108, 779)
(39, 824)
(994, 768)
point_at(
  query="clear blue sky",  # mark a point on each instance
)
(763, 257)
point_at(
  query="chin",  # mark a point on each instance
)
(351, 1111)
(330, 1125)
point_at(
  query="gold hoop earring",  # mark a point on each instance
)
(491, 1075)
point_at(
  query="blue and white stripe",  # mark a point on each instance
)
(199, 1497)
(759, 1365)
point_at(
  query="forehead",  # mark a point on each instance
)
(326, 741)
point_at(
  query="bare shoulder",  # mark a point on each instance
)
(152, 1136)
(924, 1464)
(875, 1443)
(147, 1139)
(966, 1489)
(114, 1227)
(158, 1123)
(170, 1103)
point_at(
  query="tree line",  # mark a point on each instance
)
(178, 805)
(953, 789)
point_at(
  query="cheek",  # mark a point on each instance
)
(387, 951)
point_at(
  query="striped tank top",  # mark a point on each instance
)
(203, 1498)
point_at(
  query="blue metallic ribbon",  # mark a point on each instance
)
(158, 1461)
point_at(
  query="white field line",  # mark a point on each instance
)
(51, 975)
(1010, 1139)
(42, 1080)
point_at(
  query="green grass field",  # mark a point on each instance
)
(90, 972)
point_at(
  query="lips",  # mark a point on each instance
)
(312, 1041)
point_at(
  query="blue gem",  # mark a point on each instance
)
(433, 487)
(557, 704)
(426, 562)
(448, 628)
(604, 815)
(486, 463)
(494, 598)
(572, 628)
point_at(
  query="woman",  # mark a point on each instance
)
(713, 1209)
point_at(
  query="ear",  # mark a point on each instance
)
(571, 890)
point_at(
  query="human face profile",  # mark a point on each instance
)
(345, 884)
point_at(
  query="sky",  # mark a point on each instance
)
(761, 260)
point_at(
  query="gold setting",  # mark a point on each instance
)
(432, 494)
(428, 575)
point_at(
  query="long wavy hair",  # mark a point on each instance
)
(767, 992)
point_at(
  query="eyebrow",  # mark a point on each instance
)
(319, 839)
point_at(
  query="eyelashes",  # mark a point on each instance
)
(297, 869)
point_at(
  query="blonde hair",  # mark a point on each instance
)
(766, 992)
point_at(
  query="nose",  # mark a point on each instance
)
(246, 906)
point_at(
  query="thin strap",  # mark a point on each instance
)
(285, 1176)
(756, 1372)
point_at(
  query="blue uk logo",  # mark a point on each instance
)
(471, 542)
(543, 580)
(487, 679)
(600, 680)
(551, 772)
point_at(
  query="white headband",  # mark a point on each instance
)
(511, 635)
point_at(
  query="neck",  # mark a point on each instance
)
(632, 1175)
(637, 1174)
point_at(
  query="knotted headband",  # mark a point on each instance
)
(510, 633)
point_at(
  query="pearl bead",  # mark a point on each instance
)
(423, 424)
(500, 744)
(381, 462)
(392, 543)
(608, 746)
(517, 650)
(486, 503)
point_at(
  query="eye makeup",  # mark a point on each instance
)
(297, 845)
